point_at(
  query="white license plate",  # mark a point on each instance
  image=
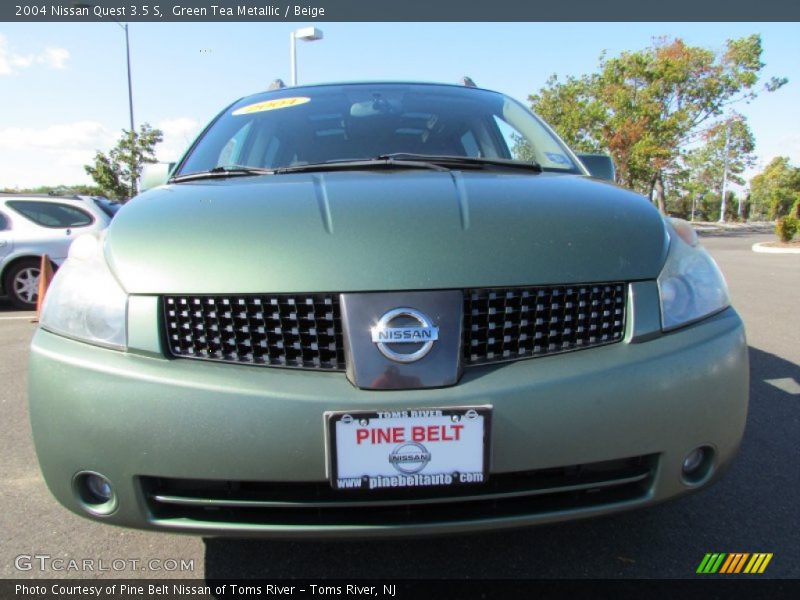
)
(412, 448)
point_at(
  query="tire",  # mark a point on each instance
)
(22, 283)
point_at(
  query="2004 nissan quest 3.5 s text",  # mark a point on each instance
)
(384, 309)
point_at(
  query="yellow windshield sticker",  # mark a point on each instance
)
(271, 105)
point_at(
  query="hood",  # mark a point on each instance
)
(383, 230)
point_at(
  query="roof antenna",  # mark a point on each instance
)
(277, 84)
(467, 81)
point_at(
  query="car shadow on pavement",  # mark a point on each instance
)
(7, 307)
(750, 510)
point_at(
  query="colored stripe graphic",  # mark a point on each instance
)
(765, 563)
(741, 562)
(716, 565)
(733, 563)
(703, 564)
(729, 563)
(758, 563)
(711, 563)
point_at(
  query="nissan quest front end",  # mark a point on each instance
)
(384, 309)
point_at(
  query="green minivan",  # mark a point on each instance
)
(377, 309)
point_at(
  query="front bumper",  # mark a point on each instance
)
(142, 420)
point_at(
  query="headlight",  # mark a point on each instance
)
(691, 285)
(84, 301)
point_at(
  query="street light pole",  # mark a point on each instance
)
(130, 107)
(130, 90)
(307, 34)
(128, 59)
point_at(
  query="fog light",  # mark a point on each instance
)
(99, 488)
(95, 492)
(697, 464)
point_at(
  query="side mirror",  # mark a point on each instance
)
(154, 174)
(600, 166)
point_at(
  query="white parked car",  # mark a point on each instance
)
(34, 225)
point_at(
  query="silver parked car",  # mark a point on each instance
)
(34, 225)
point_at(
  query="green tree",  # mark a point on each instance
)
(725, 154)
(776, 190)
(118, 171)
(59, 190)
(645, 107)
(683, 198)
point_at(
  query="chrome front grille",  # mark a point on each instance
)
(280, 330)
(305, 330)
(503, 324)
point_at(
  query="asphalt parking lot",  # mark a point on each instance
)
(754, 508)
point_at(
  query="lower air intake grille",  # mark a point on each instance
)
(282, 330)
(526, 493)
(503, 324)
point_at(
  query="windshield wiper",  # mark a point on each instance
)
(397, 160)
(413, 161)
(379, 162)
(329, 165)
(217, 172)
(465, 161)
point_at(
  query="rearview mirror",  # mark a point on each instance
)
(600, 166)
(374, 108)
(155, 174)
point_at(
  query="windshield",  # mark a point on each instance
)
(108, 207)
(310, 125)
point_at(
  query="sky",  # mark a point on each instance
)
(64, 95)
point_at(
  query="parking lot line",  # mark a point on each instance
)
(31, 316)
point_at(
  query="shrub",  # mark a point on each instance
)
(786, 227)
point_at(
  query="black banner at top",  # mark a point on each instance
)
(397, 10)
